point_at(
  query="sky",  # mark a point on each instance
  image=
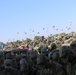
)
(18, 17)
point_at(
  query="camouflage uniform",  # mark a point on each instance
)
(64, 55)
(73, 57)
(54, 55)
(24, 67)
(8, 70)
(32, 61)
(48, 67)
(18, 58)
(53, 46)
(44, 51)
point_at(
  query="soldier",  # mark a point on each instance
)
(44, 51)
(8, 70)
(9, 56)
(27, 67)
(73, 57)
(54, 53)
(18, 58)
(28, 54)
(32, 61)
(53, 46)
(24, 57)
(33, 57)
(73, 48)
(48, 67)
(24, 67)
(54, 56)
(39, 49)
(64, 55)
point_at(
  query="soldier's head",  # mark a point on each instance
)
(39, 49)
(53, 46)
(73, 46)
(8, 63)
(54, 55)
(23, 66)
(33, 56)
(44, 50)
(29, 53)
(43, 61)
(65, 51)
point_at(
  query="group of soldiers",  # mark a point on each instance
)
(42, 62)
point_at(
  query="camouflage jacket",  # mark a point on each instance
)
(54, 69)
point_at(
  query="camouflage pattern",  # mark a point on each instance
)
(8, 70)
(54, 55)
(54, 49)
(64, 55)
(51, 68)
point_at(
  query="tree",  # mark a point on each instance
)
(37, 37)
(28, 40)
